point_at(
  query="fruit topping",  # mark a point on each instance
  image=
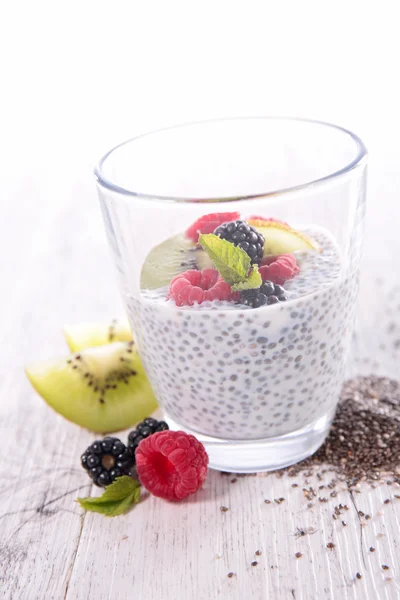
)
(194, 287)
(241, 234)
(279, 269)
(107, 459)
(143, 430)
(172, 256)
(262, 220)
(171, 464)
(88, 335)
(280, 238)
(207, 224)
(268, 293)
(104, 389)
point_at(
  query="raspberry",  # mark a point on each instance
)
(171, 464)
(194, 287)
(207, 224)
(279, 269)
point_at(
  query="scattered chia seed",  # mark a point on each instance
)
(372, 549)
(330, 545)
(231, 574)
(224, 509)
(364, 441)
(234, 480)
(358, 575)
(387, 501)
(298, 555)
(254, 563)
(267, 501)
(258, 553)
(385, 567)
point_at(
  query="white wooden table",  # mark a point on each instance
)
(56, 269)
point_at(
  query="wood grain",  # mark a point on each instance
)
(60, 271)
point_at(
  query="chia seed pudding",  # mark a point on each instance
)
(227, 370)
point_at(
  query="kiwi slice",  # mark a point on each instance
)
(88, 335)
(171, 257)
(103, 389)
(280, 238)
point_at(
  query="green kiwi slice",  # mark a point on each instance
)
(104, 389)
(168, 259)
(88, 335)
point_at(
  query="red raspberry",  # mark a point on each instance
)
(171, 464)
(194, 287)
(207, 224)
(279, 269)
(234, 297)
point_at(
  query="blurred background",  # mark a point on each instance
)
(79, 77)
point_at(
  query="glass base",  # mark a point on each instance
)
(268, 454)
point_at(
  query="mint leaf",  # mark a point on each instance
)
(231, 262)
(117, 498)
(254, 281)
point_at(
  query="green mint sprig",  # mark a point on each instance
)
(117, 498)
(253, 281)
(233, 263)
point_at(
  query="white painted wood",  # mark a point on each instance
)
(188, 550)
(92, 78)
(162, 551)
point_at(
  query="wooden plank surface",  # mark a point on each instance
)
(61, 272)
(78, 78)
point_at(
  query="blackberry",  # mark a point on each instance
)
(143, 430)
(268, 293)
(243, 235)
(107, 459)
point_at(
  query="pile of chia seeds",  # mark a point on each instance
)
(364, 441)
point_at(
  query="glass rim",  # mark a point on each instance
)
(360, 157)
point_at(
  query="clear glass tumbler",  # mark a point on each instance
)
(251, 369)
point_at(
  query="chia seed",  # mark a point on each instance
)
(226, 347)
(364, 440)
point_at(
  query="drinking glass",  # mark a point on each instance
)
(258, 386)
